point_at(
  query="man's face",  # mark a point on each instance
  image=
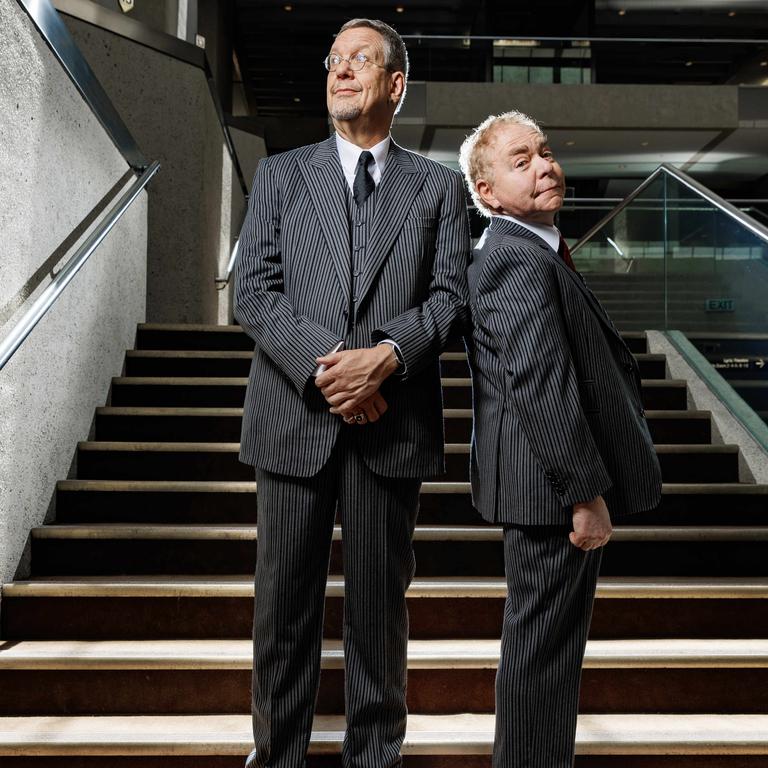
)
(525, 180)
(369, 93)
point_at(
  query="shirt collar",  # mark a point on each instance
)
(549, 234)
(349, 154)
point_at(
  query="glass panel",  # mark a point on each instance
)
(717, 269)
(623, 262)
(672, 258)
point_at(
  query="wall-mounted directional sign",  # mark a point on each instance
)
(740, 364)
(718, 305)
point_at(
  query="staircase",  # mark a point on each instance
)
(130, 643)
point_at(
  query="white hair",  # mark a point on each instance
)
(474, 155)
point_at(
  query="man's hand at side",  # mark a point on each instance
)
(591, 524)
(354, 376)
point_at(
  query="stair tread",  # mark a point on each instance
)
(448, 413)
(426, 734)
(435, 587)
(424, 654)
(245, 354)
(208, 354)
(196, 327)
(241, 381)
(240, 486)
(218, 532)
(450, 448)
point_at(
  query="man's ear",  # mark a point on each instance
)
(396, 87)
(484, 189)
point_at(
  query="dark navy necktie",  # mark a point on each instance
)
(363, 184)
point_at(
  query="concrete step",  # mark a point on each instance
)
(222, 502)
(144, 423)
(154, 362)
(219, 461)
(626, 741)
(175, 677)
(183, 607)
(442, 551)
(165, 336)
(229, 392)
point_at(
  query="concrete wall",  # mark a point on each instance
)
(577, 106)
(169, 110)
(57, 165)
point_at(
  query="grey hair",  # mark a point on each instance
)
(395, 53)
(474, 155)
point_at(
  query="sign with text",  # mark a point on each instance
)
(718, 305)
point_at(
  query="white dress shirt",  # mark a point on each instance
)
(349, 154)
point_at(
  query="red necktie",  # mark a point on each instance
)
(565, 253)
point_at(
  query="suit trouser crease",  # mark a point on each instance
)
(295, 526)
(551, 587)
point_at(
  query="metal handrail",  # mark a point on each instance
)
(47, 298)
(718, 202)
(53, 30)
(223, 280)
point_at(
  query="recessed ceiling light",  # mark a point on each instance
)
(731, 13)
(296, 99)
(399, 8)
(688, 63)
(622, 12)
(288, 8)
(764, 63)
(644, 143)
(569, 143)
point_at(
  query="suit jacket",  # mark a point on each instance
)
(292, 296)
(558, 417)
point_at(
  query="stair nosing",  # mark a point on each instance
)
(426, 735)
(422, 654)
(466, 533)
(436, 587)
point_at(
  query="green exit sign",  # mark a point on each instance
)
(718, 305)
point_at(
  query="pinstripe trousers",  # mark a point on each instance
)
(295, 526)
(551, 588)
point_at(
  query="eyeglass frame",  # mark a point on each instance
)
(348, 59)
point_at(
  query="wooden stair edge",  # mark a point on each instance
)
(426, 735)
(422, 654)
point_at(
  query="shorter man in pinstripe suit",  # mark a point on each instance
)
(559, 435)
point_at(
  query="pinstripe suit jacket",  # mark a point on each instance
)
(556, 392)
(293, 297)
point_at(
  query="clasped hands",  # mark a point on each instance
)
(351, 381)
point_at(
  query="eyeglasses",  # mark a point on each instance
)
(356, 62)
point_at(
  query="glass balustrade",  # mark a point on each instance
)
(674, 255)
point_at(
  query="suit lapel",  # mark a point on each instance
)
(328, 189)
(507, 227)
(395, 192)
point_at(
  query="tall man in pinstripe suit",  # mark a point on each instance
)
(559, 435)
(351, 240)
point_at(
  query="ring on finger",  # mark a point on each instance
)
(359, 418)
